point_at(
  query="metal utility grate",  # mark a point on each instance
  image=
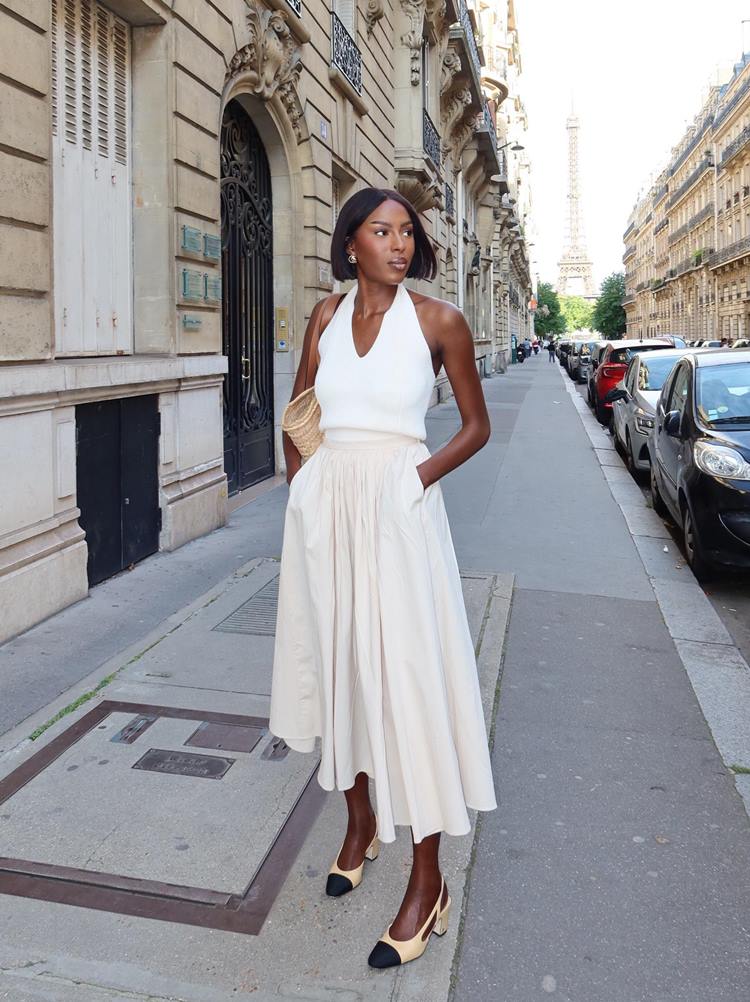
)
(256, 616)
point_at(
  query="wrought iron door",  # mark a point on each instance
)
(247, 262)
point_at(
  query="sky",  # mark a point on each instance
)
(636, 73)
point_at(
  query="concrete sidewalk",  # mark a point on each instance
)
(125, 871)
(617, 866)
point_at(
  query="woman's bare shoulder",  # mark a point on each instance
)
(439, 312)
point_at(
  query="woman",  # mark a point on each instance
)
(373, 652)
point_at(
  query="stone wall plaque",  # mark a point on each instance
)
(213, 288)
(192, 284)
(179, 763)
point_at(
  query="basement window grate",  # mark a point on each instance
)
(257, 616)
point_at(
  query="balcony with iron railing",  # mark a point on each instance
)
(296, 6)
(464, 19)
(738, 249)
(431, 140)
(346, 59)
(735, 146)
(661, 225)
(689, 181)
(731, 104)
(629, 252)
(659, 194)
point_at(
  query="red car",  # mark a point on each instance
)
(612, 366)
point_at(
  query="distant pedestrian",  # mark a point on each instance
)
(551, 350)
(527, 347)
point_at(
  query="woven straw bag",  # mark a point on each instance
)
(301, 417)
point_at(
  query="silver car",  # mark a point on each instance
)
(634, 403)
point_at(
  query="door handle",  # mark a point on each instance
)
(245, 368)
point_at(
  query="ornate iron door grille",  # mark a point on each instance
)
(247, 329)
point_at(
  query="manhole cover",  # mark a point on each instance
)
(184, 764)
(225, 737)
(257, 616)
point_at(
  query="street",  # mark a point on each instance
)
(616, 866)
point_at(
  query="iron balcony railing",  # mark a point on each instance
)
(740, 248)
(700, 133)
(450, 201)
(296, 6)
(678, 233)
(629, 251)
(465, 21)
(735, 146)
(345, 55)
(431, 139)
(705, 213)
(689, 181)
(660, 226)
(630, 229)
(731, 105)
(627, 300)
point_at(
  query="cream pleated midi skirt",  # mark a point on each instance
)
(373, 651)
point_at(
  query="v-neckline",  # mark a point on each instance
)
(380, 329)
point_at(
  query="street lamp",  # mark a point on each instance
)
(515, 148)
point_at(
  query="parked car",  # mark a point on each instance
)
(562, 350)
(634, 403)
(595, 359)
(700, 457)
(579, 358)
(742, 342)
(585, 360)
(612, 367)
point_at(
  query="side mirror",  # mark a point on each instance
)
(672, 423)
(615, 395)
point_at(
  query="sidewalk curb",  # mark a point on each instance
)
(718, 672)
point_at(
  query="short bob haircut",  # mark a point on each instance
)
(354, 212)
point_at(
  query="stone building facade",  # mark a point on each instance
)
(687, 244)
(170, 175)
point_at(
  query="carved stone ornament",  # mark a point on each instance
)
(435, 14)
(412, 39)
(272, 60)
(422, 195)
(450, 67)
(374, 10)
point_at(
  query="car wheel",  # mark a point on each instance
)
(629, 457)
(657, 502)
(693, 550)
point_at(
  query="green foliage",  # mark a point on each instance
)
(609, 316)
(549, 319)
(577, 311)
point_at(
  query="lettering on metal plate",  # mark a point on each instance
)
(213, 288)
(191, 239)
(192, 284)
(177, 763)
(211, 246)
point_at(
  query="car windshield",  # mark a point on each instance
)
(723, 394)
(653, 371)
(625, 354)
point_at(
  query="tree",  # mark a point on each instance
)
(577, 311)
(609, 316)
(549, 319)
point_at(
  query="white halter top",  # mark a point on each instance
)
(385, 392)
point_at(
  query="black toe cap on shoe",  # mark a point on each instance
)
(336, 885)
(383, 956)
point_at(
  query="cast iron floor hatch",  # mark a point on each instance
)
(244, 912)
(117, 455)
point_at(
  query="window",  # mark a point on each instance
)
(91, 178)
(678, 393)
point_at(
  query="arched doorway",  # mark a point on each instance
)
(247, 320)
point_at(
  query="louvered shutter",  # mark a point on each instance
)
(91, 176)
(335, 202)
(346, 11)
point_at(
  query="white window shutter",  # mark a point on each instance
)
(346, 11)
(92, 200)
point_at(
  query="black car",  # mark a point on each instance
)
(700, 457)
(563, 347)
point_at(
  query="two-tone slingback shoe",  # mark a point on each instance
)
(342, 881)
(389, 952)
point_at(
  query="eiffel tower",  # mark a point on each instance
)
(574, 276)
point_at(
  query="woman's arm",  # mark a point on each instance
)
(450, 333)
(291, 455)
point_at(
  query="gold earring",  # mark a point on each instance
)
(352, 259)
